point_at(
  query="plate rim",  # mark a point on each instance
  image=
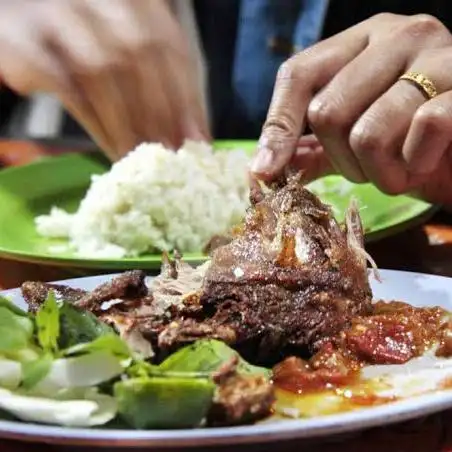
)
(316, 427)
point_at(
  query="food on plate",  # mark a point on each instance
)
(155, 200)
(94, 377)
(290, 278)
(279, 321)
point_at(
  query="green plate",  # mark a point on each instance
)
(31, 190)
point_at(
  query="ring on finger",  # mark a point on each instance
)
(422, 82)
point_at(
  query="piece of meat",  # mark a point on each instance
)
(188, 331)
(35, 293)
(291, 278)
(297, 276)
(215, 242)
(178, 283)
(241, 399)
(128, 285)
(445, 346)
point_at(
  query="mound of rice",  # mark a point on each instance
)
(154, 200)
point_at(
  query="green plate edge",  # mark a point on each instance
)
(30, 190)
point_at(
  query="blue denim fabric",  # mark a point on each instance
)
(248, 75)
(298, 22)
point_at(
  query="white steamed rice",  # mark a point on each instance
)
(154, 200)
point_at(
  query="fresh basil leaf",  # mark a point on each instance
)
(15, 331)
(207, 356)
(34, 371)
(48, 323)
(77, 326)
(111, 343)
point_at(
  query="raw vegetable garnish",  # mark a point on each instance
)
(64, 366)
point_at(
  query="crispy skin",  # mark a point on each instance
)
(35, 293)
(128, 285)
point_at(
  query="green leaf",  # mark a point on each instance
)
(48, 323)
(111, 343)
(15, 331)
(77, 326)
(34, 371)
(6, 303)
(207, 356)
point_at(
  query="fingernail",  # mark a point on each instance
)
(263, 161)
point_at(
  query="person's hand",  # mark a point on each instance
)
(370, 125)
(121, 67)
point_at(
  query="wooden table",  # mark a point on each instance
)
(427, 248)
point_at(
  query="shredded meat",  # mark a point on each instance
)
(178, 284)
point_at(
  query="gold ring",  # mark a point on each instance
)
(422, 82)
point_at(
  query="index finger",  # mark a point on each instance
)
(298, 79)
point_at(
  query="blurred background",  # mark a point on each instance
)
(243, 42)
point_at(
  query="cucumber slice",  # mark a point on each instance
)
(164, 403)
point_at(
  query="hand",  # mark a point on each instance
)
(370, 125)
(120, 67)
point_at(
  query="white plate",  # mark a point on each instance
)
(417, 289)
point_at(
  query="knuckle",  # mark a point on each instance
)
(324, 113)
(295, 68)
(287, 70)
(422, 25)
(431, 117)
(385, 17)
(130, 43)
(94, 64)
(282, 125)
(365, 139)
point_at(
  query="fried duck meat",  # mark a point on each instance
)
(291, 278)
